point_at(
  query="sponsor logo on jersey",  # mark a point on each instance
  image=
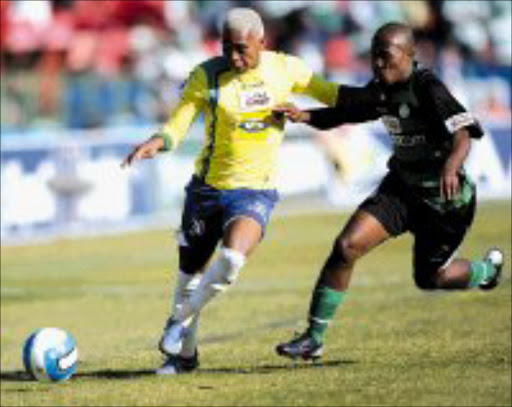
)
(408, 140)
(248, 85)
(392, 124)
(253, 126)
(253, 100)
(404, 110)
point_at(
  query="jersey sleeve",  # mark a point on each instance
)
(443, 106)
(354, 105)
(192, 102)
(307, 82)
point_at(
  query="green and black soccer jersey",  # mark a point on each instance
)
(421, 116)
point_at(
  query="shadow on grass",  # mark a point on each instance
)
(285, 366)
(22, 376)
(263, 369)
(116, 374)
(15, 376)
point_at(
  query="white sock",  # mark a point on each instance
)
(217, 278)
(190, 341)
(185, 285)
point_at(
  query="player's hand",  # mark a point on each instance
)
(291, 112)
(450, 184)
(148, 149)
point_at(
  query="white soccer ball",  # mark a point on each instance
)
(50, 354)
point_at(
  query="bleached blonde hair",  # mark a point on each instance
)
(244, 20)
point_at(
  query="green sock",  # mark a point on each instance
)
(481, 271)
(324, 303)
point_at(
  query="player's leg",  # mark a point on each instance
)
(241, 236)
(187, 280)
(484, 274)
(362, 233)
(188, 357)
(192, 260)
(246, 214)
(380, 216)
(201, 229)
(435, 265)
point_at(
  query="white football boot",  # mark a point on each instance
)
(172, 338)
(176, 364)
(496, 257)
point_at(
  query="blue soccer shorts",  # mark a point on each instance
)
(207, 211)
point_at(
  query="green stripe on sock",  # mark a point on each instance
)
(324, 303)
(481, 271)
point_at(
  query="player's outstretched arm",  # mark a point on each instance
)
(292, 113)
(354, 105)
(148, 149)
(322, 119)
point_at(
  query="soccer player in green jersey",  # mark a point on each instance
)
(426, 190)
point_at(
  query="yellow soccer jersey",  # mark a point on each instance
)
(242, 138)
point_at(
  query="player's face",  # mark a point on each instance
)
(391, 60)
(242, 51)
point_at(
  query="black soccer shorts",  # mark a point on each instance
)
(437, 235)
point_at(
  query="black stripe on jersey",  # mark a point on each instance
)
(212, 74)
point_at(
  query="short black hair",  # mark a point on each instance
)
(395, 28)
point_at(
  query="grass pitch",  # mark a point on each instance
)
(391, 343)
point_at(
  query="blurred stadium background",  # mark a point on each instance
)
(83, 81)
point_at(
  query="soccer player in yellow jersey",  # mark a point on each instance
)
(232, 192)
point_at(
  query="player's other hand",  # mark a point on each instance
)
(291, 112)
(148, 149)
(450, 184)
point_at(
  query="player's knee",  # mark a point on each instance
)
(348, 248)
(425, 279)
(232, 263)
(192, 260)
(188, 263)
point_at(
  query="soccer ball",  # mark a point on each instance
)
(50, 354)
